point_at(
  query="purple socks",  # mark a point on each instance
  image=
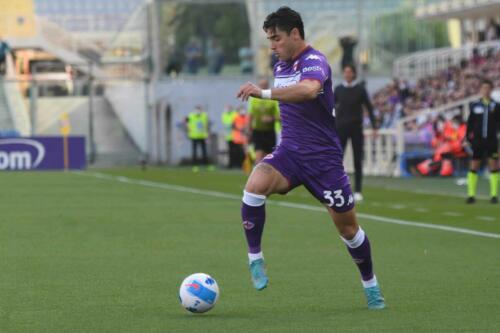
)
(253, 214)
(359, 248)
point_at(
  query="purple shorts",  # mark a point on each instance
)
(323, 176)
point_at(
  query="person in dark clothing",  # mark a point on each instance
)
(350, 97)
(482, 129)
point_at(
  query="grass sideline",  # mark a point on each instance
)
(84, 254)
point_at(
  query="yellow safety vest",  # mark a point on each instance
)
(197, 125)
(228, 120)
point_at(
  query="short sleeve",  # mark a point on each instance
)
(314, 67)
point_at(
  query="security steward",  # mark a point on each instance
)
(197, 129)
(228, 117)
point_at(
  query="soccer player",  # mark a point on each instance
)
(309, 153)
(482, 129)
(263, 115)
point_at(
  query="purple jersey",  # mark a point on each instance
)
(308, 127)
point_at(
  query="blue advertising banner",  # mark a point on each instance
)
(42, 153)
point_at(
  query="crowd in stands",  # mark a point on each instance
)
(401, 98)
(439, 134)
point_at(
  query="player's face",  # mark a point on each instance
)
(282, 44)
(485, 90)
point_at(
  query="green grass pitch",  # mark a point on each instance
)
(92, 253)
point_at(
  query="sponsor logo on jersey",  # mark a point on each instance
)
(286, 81)
(312, 69)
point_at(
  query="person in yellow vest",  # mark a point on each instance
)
(227, 118)
(240, 135)
(263, 115)
(197, 124)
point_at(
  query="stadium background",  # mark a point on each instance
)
(132, 53)
(116, 73)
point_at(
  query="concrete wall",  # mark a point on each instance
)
(184, 94)
(128, 101)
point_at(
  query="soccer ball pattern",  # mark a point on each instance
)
(198, 293)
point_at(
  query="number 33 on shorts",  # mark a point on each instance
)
(337, 199)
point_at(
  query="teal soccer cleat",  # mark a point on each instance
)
(374, 298)
(259, 277)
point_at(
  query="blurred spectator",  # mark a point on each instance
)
(447, 143)
(246, 60)
(400, 99)
(193, 56)
(215, 57)
(4, 51)
(174, 64)
(492, 30)
(240, 134)
(197, 125)
(228, 117)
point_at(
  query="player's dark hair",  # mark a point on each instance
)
(285, 19)
(487, 81)
(351, 66)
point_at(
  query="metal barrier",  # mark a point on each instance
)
(420, 64)
(381, 153)
(384, 152)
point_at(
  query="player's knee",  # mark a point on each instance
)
(256, 187)
(348, 231)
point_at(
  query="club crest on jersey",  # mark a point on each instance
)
(248, 225)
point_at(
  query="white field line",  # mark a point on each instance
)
(454, 214)
(217, 194)
(486, 218)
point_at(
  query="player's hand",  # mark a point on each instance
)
(247, 90)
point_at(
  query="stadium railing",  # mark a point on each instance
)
(420, 64)
(386, 154)
(381, 153)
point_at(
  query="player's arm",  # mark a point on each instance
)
(303, 91)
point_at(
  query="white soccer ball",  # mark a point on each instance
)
(198, 293)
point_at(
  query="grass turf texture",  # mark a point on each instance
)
(82, 254)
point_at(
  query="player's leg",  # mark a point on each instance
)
(472, 177)
(263, 181)
(357, 149)
(493, 167)
(203, 144)
(359, 248)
